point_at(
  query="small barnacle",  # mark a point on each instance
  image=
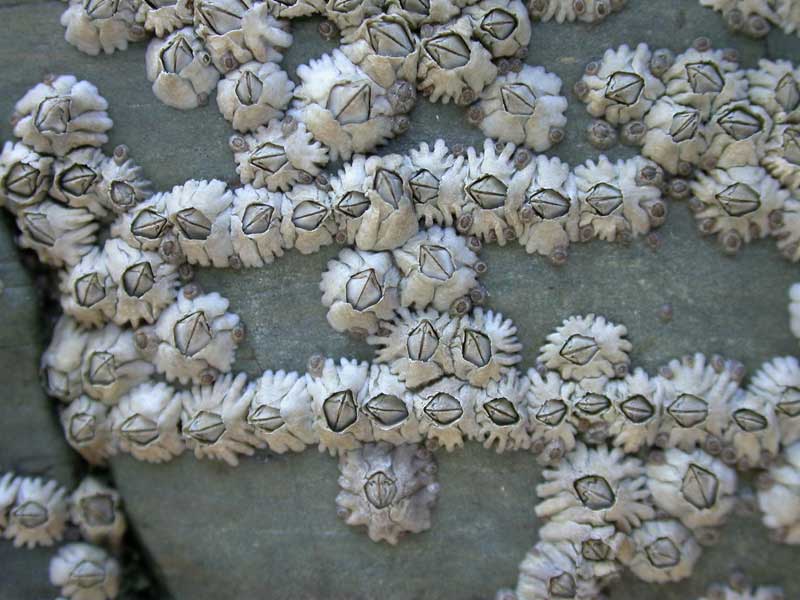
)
(587, 11)
(372, 202)
(256, 219)
(752, 432)
(777, 382)
(484, 347)
(87, 428)
(360, 289)
(193, 335)
(503, 26)
(782, 155)
(619, 201)
(621, 87)
(96, 509)
(162, 17)
(638, 401)
(556, 570)
(587, 346)
(122, 183)
(775, 86)
(25, 176)
(453, 65)
(600, 546)
(272, 158)
(421, 12)
(338, 423)
(738, 135)
(389, 489)
(676, 137)
(742, 590)
(85, 572)
(308, 220)
(60, 235)
(181, 70)
(416, 346)
(446, 412)
(87, 291)
(39, 514)
(695, 488)
(501, 413)
(436, 178)
(107, 25)
(350, 13)
(254, 94)
(145, 421)
(389, 407)
(9, 486)
(551, 410)
(62, 114)
(737, 204)
(664, 550)
(61, 361)
(214, 419)
(280, 412)
(146, 225)
(779, 497)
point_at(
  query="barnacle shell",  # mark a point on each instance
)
(346, 14)
(788, 16)
(61, 361)
(62, 114)
(256, 219)
(719, 592)
(145, 421)
(555, 570)
(25, 176)
(501, 413)
(162, 17)
(593, 412)
(122, 184)
(587, 11)
(280, 412)
(453, 65)
(283, 9)
(146, 225)
(97, 511)
(87, 290)
(484, 347)
(503, 26)
(76, 179)
(677, 136)
(738, 134)
(416, 346)
(60, 235)
(277, 157)
(550, 408)
(774, 86)
(782, 155)
(419, 12)
(308, 221)
(87, 428)
(39, 515)
(778, 383)
(596, 486)
(254, 94)
(695, 487)
(752, 432)
(389, 406)
(436, 178)
(180, 69)
(586, 346)
(598, 546)
(360, 288)
(664, 551)
(623, 88)
(85, 572)
(95, 25)
(780, 501)
(373, 202)
(523, 108)
(9, 485)
(751, 17)
(390, 489)
(446, 412)
(638, 401)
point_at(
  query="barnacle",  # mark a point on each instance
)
(280, 412)
(752, 434)
(737, 204)
(373, 202)
(122, 184)
(39, 514)
(278, 156)
(61, 114)
(794, 309)
(360, 288)
(421, 12)
(777, 382)
(61, 361)
(774, 86)
(308, 219)
(214, 419)
(389, 489)
(782, 154)
(9, 486)
(77, 180)
(621, 88)
(146, 226)
(162, 17)
(87, 428)
(595, 487)
(787, 16)
(107, 25)
(738, 134)
(501, 413)
(292, 9)
(85, 572)
(524, 108)
(145, 421)
(502, 26)
(550, 410)
(619, 200)
(446, 412)
(484, 347)
(677, 136)
(587, 11)
(600, 546)
(779, 498)
(96, 509)
(59, 235)
(416, 345)
(555, 570)
(181, 70)
(25, 176)
(735, 591)
(346, 13)
(436, 179)
(256, 218)
(254, 94)
(664, 551)
(751, 17)
(638, 401)
(390, 407)
(587, 346)
(593, 411)
(453, 65)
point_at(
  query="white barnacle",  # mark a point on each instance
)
(782, 154)
(292, 9)
(556, 570)
(694, 487)
(9, 486)
(85, 572)
(146, 225)
(775, 86)
(145, 421)
(61, 361)
(586, 11)
(416, 346)
(737, 592)
(600, 546)
(88, 293)
(664, 551)
(502, 26)
(254, 94)
(436, 179)
(484, 347)
(777, 382)
(592, 409)
(779, 501)
(752, 434)
(87, 428)
(677, 136)
(372, 202)
(446, 412)
(389, 489)
(360, 289)
(738, 133)
(787, 16)
(621, 88)
(93, 26)
(25, 176)
(77, 179)
(256, 218)
(180, 69)
(453, 64)
(96, 509)
(551, 410)
(346, 14)
(421, 12)
(501, 413)
(39, 514)
(587, 346)
(638, 401)
(122, 184)
(308, 221)
(280, 412)
(595, 487)
(59, 235)
(751, 17)
(62, 114)
(389, 407)
(162, 17)
(338, 423)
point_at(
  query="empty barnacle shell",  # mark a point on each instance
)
(446, 412)
(360, 288)
(453, 65)
(389, 407)
(308, 222)
(503, 26)
(677, 136)
(501, 413)
(256, 218)
(775, 86)
(484, 347)
(145, 421)
(695, 488)
(523, 108)
(25, 176)
(85, 572)
(345, 14)
(389, 489)
(254, 94)
(752, 432)
(436, 180)
(280, 412)
(9, 486)
(162, 17)
(96, 509)
(738, 135)
(38, 516)
(422, 12)
(62, 114)
(180, 69)
(87, 428)
(777, 382)
(782, 155)
(59, 235)
(663, 551)
(638, 401)
(61, 361)
(586, 346)
(273, 159)
(779, 501)
(107, 25)
(551, 422)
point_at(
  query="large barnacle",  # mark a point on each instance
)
(85, 572)
(256, 218)
(59, 235)
(61, 361)
(96, 509)
(556, 570)
(87, 428)
(107, 25)
(779, 497)
(38, 516)
(677, 136)
(25, 176)
(389, 406)
(88, 293)
(503, 26)
(777, 382)
(638, 401)
(775, 86)
(436, 179)
(446, 412)
(254, 94)
(664, 551)
(484, 347)
(738, 134)
(146, 226)
(162, 17)
(280, 412)
(550, 408)
(77, 180)
(752, 434)
(308, 222)
(502, 415)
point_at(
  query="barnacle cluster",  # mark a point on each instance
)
(754, 17)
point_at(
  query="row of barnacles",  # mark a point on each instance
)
(727, 137)
(754, 17)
